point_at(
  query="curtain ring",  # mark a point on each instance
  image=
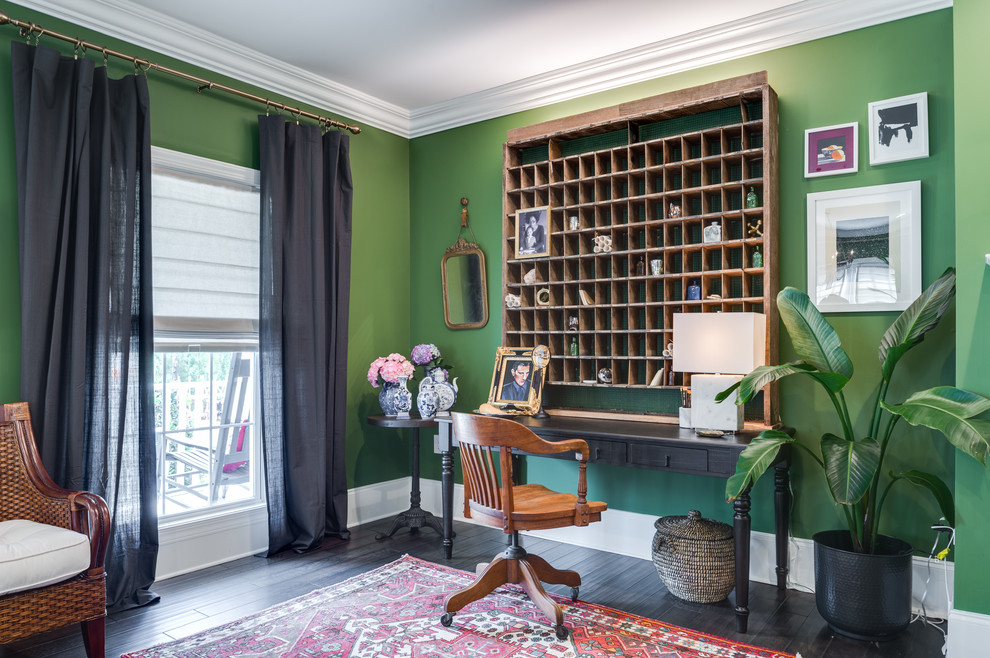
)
(106, 58)
(75, 49)
(267, 106)
(295, 114)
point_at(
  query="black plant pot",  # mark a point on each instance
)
(866, 597)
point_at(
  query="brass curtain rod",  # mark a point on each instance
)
(27, 29)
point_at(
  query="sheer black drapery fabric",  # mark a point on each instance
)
(84, 229)
(306, 194)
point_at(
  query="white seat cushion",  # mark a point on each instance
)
(34, 555)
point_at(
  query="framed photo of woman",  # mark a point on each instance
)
(533, 232)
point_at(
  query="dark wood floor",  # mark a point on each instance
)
(785, 621)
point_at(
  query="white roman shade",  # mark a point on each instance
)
(205, 244)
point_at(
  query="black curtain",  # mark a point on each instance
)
(84, 227)
(306, 194)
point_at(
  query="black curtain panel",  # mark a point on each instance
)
(306, 194)
(84, 227)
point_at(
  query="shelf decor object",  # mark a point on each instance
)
(864, 248)
(648, 182)
(722, 347)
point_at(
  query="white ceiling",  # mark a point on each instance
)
(418, 67)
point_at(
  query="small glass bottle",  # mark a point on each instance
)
(574, 346)
(694, 290)
(641, 267)
(757, 257)
(751, 199)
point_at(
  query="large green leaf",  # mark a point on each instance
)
(950, 410)
(849, 466)
(938, 488)
(814, 339)
(763, 375)
(919, 318)
(755, 460)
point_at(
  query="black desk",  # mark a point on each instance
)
(415, 517)
(659, 447)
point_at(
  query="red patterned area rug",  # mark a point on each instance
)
(395, 611)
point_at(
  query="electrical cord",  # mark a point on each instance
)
(939, 528)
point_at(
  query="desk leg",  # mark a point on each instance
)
(447, 489)
(741, 531)
(781, 509)
(415, 517)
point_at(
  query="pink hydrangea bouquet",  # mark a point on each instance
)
(389, 368)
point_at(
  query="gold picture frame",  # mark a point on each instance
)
(517, 379)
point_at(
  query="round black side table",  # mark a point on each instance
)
(415, 517)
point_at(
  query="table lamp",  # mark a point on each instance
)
(718, 348)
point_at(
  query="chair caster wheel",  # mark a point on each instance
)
(574, 594)
(561, 632)
(446, 619)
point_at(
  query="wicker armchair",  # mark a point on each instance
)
(28, 493)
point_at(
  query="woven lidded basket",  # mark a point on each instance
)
(695, 557)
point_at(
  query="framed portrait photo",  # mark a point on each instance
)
(831, 150)
(864, 248)
(899, 129)
(517, 380)
(533, 232)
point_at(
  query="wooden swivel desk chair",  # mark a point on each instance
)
(491, 497)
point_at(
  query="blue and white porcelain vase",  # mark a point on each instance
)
(395, 398)
(446, 392)
(427, 400)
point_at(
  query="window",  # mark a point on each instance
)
(205, 242)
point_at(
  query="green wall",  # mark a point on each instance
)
(972, 51)
(406, 212)
(820, 83)
(224, 127)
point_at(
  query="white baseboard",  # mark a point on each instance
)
(196, 545)
(970, 634)
(630, 533)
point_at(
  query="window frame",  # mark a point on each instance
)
(186, 164)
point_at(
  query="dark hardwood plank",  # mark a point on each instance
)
(785, 621)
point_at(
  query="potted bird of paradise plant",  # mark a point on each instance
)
(864, 599)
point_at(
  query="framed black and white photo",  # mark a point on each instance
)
(533, 232)
(899, 129)
(864, 248)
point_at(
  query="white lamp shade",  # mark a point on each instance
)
(726, 343)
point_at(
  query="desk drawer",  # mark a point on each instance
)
(664, 457)
(607, 452)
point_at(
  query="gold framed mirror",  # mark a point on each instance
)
(465, 288)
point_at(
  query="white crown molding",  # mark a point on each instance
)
(790, 25)
(793, 24)
(150, 29)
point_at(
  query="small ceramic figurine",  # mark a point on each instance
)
(530, 277)
(572, 323)
(755, 228)
(675, 211)
(605, 375)
(712, 233)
